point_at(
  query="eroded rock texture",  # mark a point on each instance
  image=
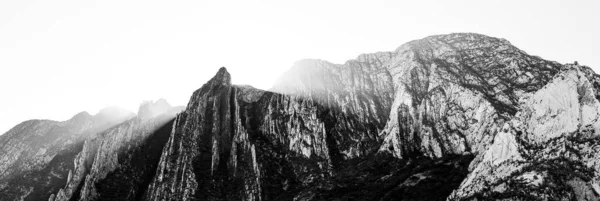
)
(36, 155)
(451, 90)
(239, 143)
(549, 150)
(117, 164)
(457, 117)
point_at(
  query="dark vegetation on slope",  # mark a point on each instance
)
(137, 168)
(286, 175)
(45, 181)
(563, 178)
(382, 177)
(557, 184)
(483, 73)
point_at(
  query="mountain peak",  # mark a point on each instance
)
(222, 70)
(465, 37)
(476, 117)
(459, 41)
(80, 116)
(114, 114)
(222, 76)
(150, 109)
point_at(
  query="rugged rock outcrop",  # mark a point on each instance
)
(451, 89)
(437, 97)
(39, 150)
(74, 157)
(117, 149)
(548, 150)
(360, 89)
(240, 143)
(458, 117)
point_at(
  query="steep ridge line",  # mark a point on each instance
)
(408, 124)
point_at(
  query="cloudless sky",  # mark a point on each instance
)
(60, 57)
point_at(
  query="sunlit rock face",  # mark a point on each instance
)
(240, 143)
(127, 153)
(549, 150)
(451, 89)
(68, 154)
(436, 96)
(152, 109)
(456, 117)
(39, 150)
(358, 92)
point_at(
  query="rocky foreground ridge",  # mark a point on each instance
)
(457, 117)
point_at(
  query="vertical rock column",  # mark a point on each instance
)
(206, 149)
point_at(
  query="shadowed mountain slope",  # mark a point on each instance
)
(448, 117)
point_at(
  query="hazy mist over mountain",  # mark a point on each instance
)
(300, 101)
(61, 57)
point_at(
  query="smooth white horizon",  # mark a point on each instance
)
(61, 57)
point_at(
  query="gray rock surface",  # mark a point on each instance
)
(102, 154)
(548, 150)
(35, 148)
(459, 117)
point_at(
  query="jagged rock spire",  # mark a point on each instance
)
(151, 109)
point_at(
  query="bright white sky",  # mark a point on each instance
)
(60, 57)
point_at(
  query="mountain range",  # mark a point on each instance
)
(459, 116)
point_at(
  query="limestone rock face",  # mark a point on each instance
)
(442, 96)
(436, 96)
(450, 90)
(106, 154)
(200, 144)
(42, 150)
(240, 143)
(361, 89)
(458, 117)
(550, 151)
(152, 109)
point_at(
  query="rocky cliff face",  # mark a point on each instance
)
(438, 97)
(36, 150)
(83, 149)
(240, 143)
(457, 117)
(450, 90)
(361, 90)
(548, 150)
(109, 153)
